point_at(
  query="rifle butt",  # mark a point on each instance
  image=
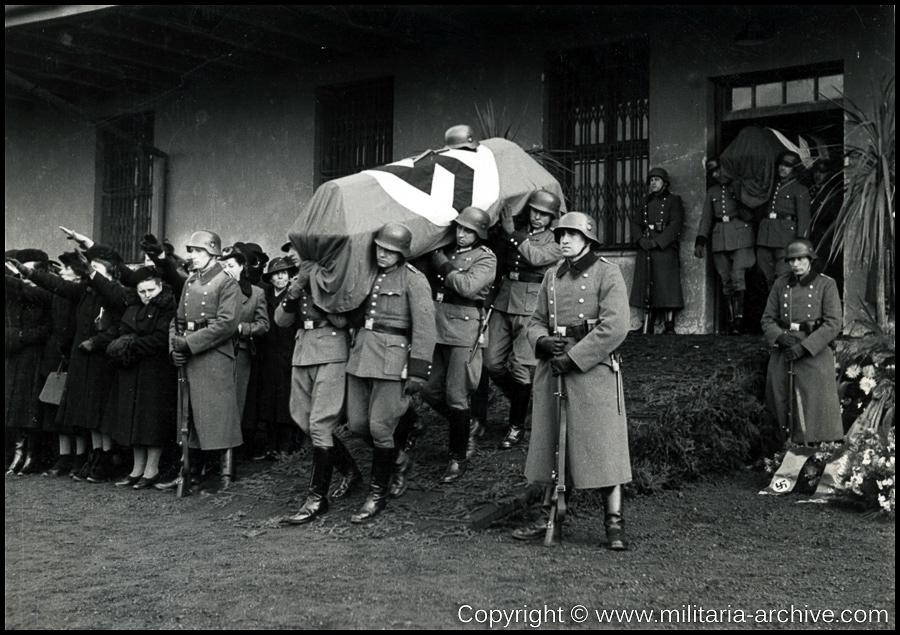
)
(554, 530)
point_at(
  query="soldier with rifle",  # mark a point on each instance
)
(464, 277)
(581, 318)
(208, 315)
(508, 358)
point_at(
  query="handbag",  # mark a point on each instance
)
(53, 387)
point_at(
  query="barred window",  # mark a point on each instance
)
(598, 118)
(130, 187)
(355, 128)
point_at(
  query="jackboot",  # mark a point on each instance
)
(350, 476)
(738, 299)
(538, 529)
(459, 441)
(383, 460)
(614, 521)
(480, 399)
(229, 469)
(402, 467)
(475, 430)
(412, 426)
(729, 309)
(317, 499)
(518, 411)
(18, 458)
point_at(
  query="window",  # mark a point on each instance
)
(355, 128)
(131, 174)
(784, 88)
(598, 112)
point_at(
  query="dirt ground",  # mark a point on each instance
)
(85, 556)
(713, 554)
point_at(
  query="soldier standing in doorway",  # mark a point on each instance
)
(730, 224)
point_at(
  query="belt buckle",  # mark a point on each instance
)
(773, 215)
(370, 324)
(439, 297)
(726, 219)
(651, 227)
(795, 326)
(308, 324)
(513, 275)
(191, 326)
(561, 331)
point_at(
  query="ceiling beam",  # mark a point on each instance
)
(19, 14)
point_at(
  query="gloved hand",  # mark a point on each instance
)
(24, 271)
(179, 359)
(414, 385)
(180, 345)
(562, 364)
(438, 257)
(82, 266)
(786, 340)
(794, 353)
(699, 252)
(295, 289)
(547, 347)
(151, 245)
(86, 346)
(647, 244)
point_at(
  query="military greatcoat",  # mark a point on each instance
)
(787, 216)
(590, 288)
(661, 218)
(210, 310)
(809, 308)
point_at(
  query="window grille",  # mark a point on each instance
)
(128, 176)
(355, 127)
(598, 116)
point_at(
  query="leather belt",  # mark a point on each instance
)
(381, 328)
(308, 325)
(196, 326)
(525, 276)
(804, 327)
(578, 331)
(451, 298)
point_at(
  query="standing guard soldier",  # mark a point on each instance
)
(463, 281)
(786, 217)
(508, 358)
(730, 223)
(657, 270)
(318, 385)
(581, 318)
(203, 339)
(390, 357)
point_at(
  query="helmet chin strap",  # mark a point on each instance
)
(587, 245)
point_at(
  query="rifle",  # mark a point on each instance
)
(648, 282)
(481, 331)
(558, 498)
(184, 411)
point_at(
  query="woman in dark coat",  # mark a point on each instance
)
(276, 351)
(91, 378)
(56, 355)
(28, 325)
(147, 380)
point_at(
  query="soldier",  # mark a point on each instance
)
(787, 217)
(731, 224)
(390, 357)
(802, 318)
(508, 358)
(657, 272)
(581, 318)
(202, 337)
(318, 384)
(463, 281)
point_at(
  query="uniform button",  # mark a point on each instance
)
(374, 295)
(583, 287)
(551, 315)
(581, 315)
(203, 314)
(551, 301)
(785, 304)
(372, 312)
(333, 333)
(466, 317)
(584, 275)
(374, 304)
(202, 303)
(580, 300)
(377, 287)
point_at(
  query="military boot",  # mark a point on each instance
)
(350, 476)
(229, 469)
(738, 299)
(614, 521)
(18, 458)
(412, 428)
(518, 411)
(729, 310)
(317, 499)
(383, 460)
(459, 441)
(399, 482)
(538, 529)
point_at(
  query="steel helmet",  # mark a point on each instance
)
(395, 237)
(475, 219)
(206, 240)
(461, 136)
(544, 201)
(579, 222)
(799, 248)
(789, 158)
(660, 173)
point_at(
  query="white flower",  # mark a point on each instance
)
(869, 371)
(852, 371)
(866, 384)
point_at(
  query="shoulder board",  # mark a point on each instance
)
(822, 275)
(487, 249)
(413, 269)
(609, 262)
